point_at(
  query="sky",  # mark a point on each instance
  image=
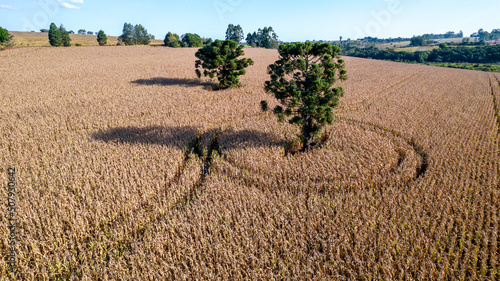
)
(292, 20)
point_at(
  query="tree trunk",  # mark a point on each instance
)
(306, 132)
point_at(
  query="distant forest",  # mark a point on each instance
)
(463, 54)
(467, 52)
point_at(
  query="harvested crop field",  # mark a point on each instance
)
(41, 39)
(112, 148)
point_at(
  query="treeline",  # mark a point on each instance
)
(369, 40)
(423, 40)
(263, 38)
(482, 54)
(481, 34)
(58, 36)
(186, 40)
(447, 35)
(81, 31)
(427, 37)
(134, 35)
(138, 35)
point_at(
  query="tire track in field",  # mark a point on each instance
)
(195, 147)
(196, 189)
(419, 150)
(395, 137)
(496, 105)
(193, 191)
(191, 148)
(368, 102)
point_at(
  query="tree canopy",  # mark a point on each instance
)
(6, 40)
(135, 35)
(220, 59)
(102, 38)
(59, 36)
(234, 33)
(482, 34)
(55, 35)
(418, 41)
(65, 38)
(191, 40)
(4, 35)
(141, 35)
(172, 40)
(461, 54)
(252, 39)
(128, 34)
(264, 38)
(302, 80)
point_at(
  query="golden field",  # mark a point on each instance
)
(109, 145)
(41, 39)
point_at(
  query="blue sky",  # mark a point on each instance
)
(292, 20)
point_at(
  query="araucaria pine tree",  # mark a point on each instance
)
(303, 81)
(220, 59)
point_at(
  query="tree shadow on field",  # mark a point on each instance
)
(181, 136)
(168, 136)
(231, 139)
(162, 81)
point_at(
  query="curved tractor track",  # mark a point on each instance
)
(398, 173)
(495, 90)
(204, 145)
(420, 169)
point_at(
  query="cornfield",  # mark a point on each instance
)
(129, 167)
